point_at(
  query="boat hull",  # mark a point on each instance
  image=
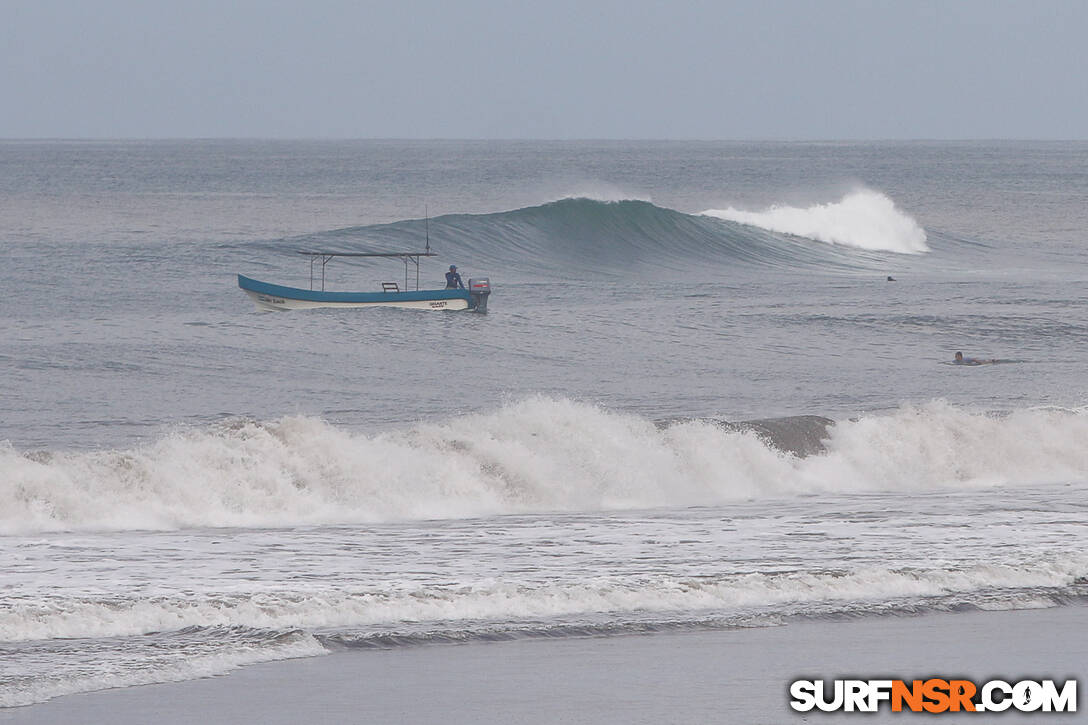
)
(278, 297)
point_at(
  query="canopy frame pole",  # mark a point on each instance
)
(327, 257)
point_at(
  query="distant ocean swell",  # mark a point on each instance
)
(580, 233)
(539, 454)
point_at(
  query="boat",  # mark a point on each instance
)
(268, 296)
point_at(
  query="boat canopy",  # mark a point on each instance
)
(326, 257)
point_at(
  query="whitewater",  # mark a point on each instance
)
(714, 390)
(538, 455)
(863, 218)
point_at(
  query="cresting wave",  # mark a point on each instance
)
(576, 234)
(539, 454)
(864, 219)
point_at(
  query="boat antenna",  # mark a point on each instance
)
(427, 228)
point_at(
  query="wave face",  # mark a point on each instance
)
(539, 454)
(589, 234)
(864, 219)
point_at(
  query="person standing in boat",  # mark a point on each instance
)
(453, 280)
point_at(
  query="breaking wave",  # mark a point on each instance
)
(584, 234)
(864, 219)
(539, 454)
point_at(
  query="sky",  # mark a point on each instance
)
(550, 69)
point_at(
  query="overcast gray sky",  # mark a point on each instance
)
(564, 69)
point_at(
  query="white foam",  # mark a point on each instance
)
(539, 454)
(155, 670)
(863, 218)
(500, 600)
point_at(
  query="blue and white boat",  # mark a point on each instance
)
(279, 297)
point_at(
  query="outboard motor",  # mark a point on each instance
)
(479, 289)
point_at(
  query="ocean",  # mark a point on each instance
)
(713, 391)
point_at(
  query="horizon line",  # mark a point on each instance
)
(601, 139)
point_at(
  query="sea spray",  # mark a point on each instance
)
(864, 219)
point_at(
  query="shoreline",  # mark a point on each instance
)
(739, 675)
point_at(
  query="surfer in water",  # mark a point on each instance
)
(453, 280)
(961, 360)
